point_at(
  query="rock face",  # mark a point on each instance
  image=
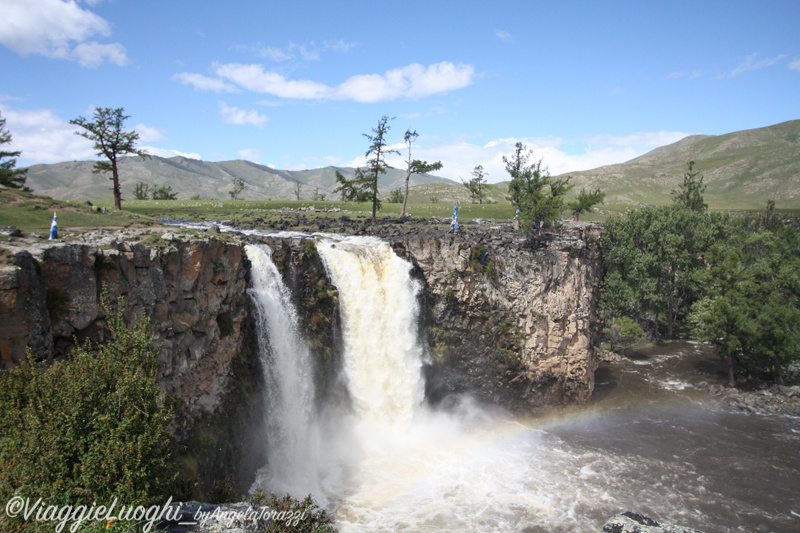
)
(193, 292)
(509, 319)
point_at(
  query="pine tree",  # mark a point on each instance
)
(9, 176)
(111, 141)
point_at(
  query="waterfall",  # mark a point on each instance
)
(379, 311)
(293, 432)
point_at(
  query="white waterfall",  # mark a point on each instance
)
(379, 312)
(293, 431)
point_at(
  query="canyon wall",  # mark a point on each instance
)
(507, 320)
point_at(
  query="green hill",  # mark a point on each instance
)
(742, 170)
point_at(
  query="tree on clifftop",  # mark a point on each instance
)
(364, 185)
(9, 176)
(539, 196)
(376, 159)
(415, 166)
(111, 141)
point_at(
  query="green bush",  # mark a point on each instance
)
(624, 332)
(88, 429)
(293, 516)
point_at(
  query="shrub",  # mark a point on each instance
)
(624, 332)
(88, 429)
(293, 516)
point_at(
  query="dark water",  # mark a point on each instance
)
(681, 455)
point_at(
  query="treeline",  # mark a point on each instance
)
(732, 280)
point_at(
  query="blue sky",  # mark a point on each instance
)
(294, 85)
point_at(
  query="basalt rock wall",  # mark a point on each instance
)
(194, 293)
(509, 319)
(506, 319)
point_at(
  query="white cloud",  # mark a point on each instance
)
(675, 75)
(234, 115)
(275, 54)
(58, 29)
(411, 81)
(750, 63)
(44, 137)
(795, 65)
(254, 78)
(460, 157)
(250, 154)
(504, 36)
(306, 51)
(92, 54)
(148, 134)
(204, 83)
(163, 152)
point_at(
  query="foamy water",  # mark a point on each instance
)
(387, 462)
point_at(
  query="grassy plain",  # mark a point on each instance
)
(32, 213)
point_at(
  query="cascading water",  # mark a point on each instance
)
(379, 309)
(293, 432)
(391, 464)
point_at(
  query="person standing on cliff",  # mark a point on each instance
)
(54, 227)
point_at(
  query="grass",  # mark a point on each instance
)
(33, 213)
(272, 210)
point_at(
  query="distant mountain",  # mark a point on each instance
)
(743, 169)
(189, 177)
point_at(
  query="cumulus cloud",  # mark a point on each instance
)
(752, 63)
(148, 134)
(254, 78)
(412, 81)
(560, 156)
(43, 137)
(240, 117)
(204, 83)
(58, 29)
(164, 152)
(250, 154)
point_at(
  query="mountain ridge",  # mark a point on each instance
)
(741, 169)
(73, 180)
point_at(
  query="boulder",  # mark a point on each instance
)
(629, 522)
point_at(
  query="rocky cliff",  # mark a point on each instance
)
(507, 319)
(194, 293)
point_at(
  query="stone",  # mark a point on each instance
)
(10, 231)
(629, 522)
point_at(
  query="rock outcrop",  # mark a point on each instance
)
(194, 293)
(635, 523)
(509, 318)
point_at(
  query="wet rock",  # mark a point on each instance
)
(629, 522)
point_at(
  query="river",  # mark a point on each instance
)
(650, 440)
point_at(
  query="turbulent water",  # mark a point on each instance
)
(293, 430)
(650, 441)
